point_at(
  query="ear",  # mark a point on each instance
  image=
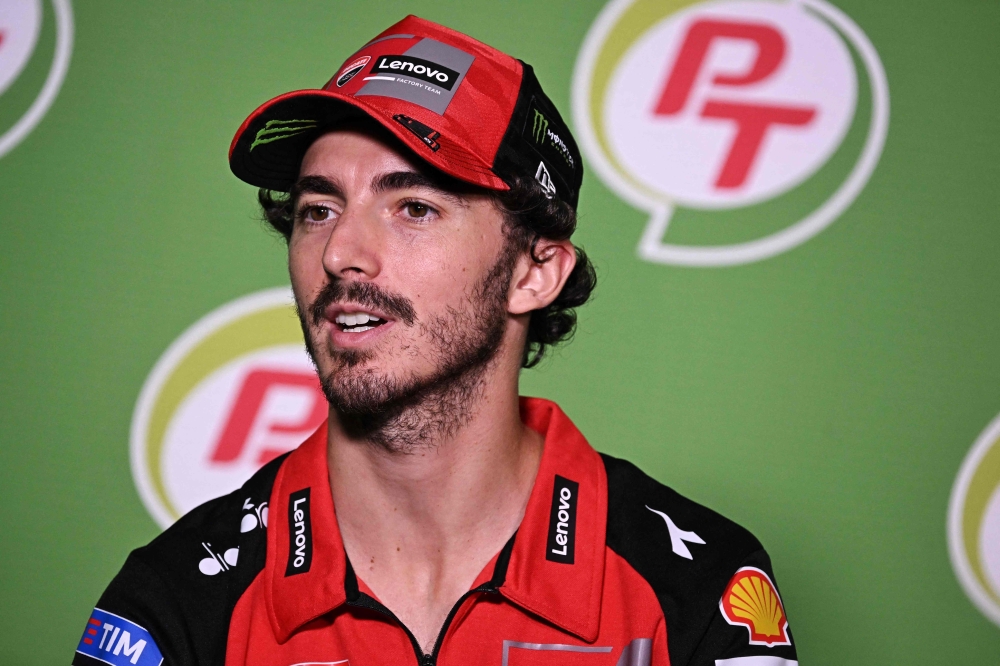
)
(537, 284)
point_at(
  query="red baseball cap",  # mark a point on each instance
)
(467, 109)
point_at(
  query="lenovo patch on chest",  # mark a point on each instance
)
(562, 522)
(299, 533)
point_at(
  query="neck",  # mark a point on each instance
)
(419, 525)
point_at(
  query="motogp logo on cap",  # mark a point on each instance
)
(711, 116)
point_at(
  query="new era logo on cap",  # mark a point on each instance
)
(467, 109)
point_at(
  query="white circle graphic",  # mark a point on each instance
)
(20, 23)
(234, 391)
(974, 523)
(22, 15)
(681, 154)
(723, 105)
(191, 473)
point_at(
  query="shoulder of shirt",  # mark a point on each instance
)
(689, 570)
(235, 520)
(211, 555)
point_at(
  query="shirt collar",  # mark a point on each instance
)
(566, 594)
(318, 587)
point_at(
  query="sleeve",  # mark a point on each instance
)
(749, 627)
(137, 622)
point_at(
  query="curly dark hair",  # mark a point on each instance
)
(530, 217)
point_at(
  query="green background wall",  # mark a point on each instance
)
(824, 398)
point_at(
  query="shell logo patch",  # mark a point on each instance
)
(751, 601)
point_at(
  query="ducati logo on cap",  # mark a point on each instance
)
(351, 69)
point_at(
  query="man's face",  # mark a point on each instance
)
(402, 286)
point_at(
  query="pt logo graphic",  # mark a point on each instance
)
(744, 128)
(974, 523)
(36, 41)
(233, 392)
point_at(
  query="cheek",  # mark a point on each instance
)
(439, 274)
(305, 265)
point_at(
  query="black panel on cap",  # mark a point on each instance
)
(538, 135)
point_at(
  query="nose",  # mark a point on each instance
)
(352, 251)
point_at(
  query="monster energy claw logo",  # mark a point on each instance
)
(539, 127)
(549, 141)
(274, 130)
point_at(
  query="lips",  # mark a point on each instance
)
(358, 322)
(353, 326)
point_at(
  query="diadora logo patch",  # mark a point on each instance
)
(351, 69)
(743, 114)
(230, 394)
(26, 99)
(562, 522)
(299, 533)
(751, 601)
(254, 518)
(678, 536)
(217, 562)
(428, 74)
(117, 641)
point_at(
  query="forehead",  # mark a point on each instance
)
(366, 153)
(358, 146)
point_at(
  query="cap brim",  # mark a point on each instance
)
(268, 148)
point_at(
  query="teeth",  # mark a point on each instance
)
(355, 318)
(359, 329)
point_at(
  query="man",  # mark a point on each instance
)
(429, 198)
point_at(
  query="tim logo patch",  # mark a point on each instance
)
(117, 641)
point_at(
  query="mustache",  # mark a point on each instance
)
(362, 293)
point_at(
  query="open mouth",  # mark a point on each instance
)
(357, 322)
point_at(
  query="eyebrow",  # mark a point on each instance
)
(315, 185)
(403, 180)
(386, 182)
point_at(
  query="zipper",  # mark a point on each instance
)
(364, 601)
(357, 598)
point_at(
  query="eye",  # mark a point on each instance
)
(417, 209)
(315, 213)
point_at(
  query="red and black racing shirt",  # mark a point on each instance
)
(608, 568)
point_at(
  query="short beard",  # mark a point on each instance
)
(402, 415)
